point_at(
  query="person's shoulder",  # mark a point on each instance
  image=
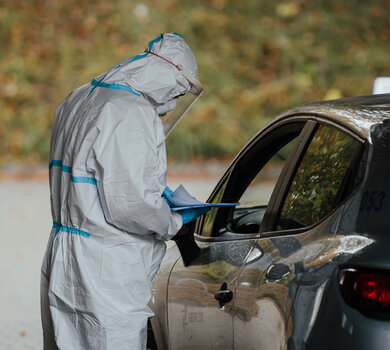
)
(130, 107)
(133, 110)
(80, 91)
(74, 97)
(130, 103)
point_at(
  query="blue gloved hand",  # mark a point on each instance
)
(192, 214)
(167, 194)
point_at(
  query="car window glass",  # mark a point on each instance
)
(315, 188)
(253, 198)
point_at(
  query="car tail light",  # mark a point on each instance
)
(365, 289)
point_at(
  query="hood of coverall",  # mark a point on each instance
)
(157, 80)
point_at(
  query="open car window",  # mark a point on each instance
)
(251, 183)
(247, 217)
(259, 191)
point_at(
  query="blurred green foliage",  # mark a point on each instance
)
(317, 182)
(255, 58)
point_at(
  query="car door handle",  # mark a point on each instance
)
(224, 295)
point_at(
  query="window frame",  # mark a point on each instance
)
(310, 124)
(265, 138)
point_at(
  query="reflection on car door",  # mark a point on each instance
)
(196, 319)
(262, 297)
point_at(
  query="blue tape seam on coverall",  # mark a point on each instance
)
(115, 86)
(76, 231)
(75, 179)
(122, 87)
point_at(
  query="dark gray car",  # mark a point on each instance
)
(304, 261)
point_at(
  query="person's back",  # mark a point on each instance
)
(107, 174)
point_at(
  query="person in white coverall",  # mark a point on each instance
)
(107, 175)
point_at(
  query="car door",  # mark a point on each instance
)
(201, 305)
(289, 180)
(294, 233)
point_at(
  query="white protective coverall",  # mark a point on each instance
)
(107, 174)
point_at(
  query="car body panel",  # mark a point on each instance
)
(159, 297)
(284, 283)
(196, 318)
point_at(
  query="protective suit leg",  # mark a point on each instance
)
(47, 322)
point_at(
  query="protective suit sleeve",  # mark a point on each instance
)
(127, 173)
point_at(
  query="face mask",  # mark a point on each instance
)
(166, 107)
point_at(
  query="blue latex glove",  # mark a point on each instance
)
(167, 194)
(192, 214)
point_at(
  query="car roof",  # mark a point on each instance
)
(357, 113)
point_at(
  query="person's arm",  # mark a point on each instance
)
(127, 170)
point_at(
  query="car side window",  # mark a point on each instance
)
(248, 216)
(320, 179)
(259, 191)
(251, 184)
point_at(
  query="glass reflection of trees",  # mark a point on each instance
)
(318, 179)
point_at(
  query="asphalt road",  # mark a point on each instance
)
(25, 223)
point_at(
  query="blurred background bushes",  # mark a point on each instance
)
(256, 58)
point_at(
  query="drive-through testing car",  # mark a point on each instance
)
(304, 261)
